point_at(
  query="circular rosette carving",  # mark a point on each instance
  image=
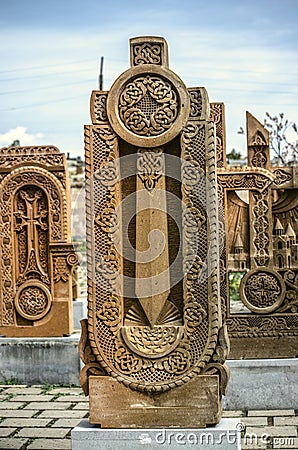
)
(178, 361)
(152, 342)
(126, 362)
(262, 290)
(194, 315)
(110, 313)
(148, 106)
(33, 300)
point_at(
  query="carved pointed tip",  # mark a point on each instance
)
(256, 132)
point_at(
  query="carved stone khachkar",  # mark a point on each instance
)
(36, 256)
(260, 205)
(154, 345)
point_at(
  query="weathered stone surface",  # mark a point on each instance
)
(36, 255)
(154, 309)
(183, 406)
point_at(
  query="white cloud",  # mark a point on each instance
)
(20, 133)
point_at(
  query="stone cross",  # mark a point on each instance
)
(154, 335)
(269, 289)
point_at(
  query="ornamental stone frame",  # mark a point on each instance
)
(260, 207)
(36, 255)
(154, 336)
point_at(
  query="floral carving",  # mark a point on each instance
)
(194, 315)
(196, 103)
(148, 106)
(110, 313)
(32, 301)
(150, 167)
(178, 361)
(147, 54)
(126, 362)
(61, 271)
(99, 107)
(259, 159)
(281, 176)
(152, 342)
(261, 226)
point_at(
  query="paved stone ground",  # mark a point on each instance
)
(42, 417)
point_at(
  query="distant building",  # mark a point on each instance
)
(238, 258)
(285, 247)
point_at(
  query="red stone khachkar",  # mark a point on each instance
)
(36, 255)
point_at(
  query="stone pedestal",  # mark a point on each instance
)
(194, 404)
(223, 436)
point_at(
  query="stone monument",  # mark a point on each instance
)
(260, 206)
(154, 344)
(36, 255)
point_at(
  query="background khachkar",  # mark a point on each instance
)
(260, 206)
(154, 335)
(36, 254)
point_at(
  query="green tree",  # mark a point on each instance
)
(234, 155)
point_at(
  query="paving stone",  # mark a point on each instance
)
(12, 443)
(17, 413)
(68, 391)
(273, 431)
(230, 414)
(32, 398)
(22, 422)
(254, 421)
(285, 443)
(5, 432)
(286, 420)
(6, 386)
(72, 398)
(50, 444)
(271, 412)
(24, 390)
(43, 432)
(47, 405)
(66, 423)
(84, 405)
(11, 405)
(70, 414)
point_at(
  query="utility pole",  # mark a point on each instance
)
(100, 78)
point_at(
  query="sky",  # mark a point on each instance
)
(243, 52)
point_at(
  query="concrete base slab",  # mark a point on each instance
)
(254, 384)
(224, 436)
(40, 360)
(262, 384)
